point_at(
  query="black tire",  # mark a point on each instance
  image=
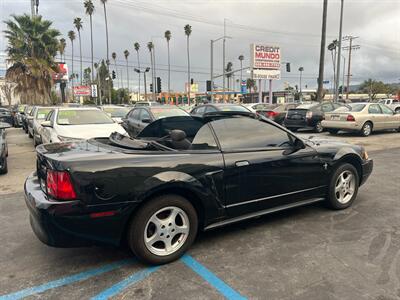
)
(4, 169)
(397, 110)
(332, 200)
(138, 224)
(318, 127)
(364, 130)
(35, 143)
(333, 131)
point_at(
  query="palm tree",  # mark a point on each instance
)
(188, 32)
(71, 36)
(167, 36)
(250, 84)
(136, 46)
(126, 54)
(241, 58)
(150, 46)
(61, 48)
(78, 26)
(89, 9)
(32, 48)
(105, 20)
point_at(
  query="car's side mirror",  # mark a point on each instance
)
(147, 121)
(298, 144)
(46, 124)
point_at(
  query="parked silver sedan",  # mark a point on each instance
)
(363, 118)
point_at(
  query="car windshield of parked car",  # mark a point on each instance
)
(83, 117)
(164, 112)
(233, 134)
(307, 105)
(42, 113)
(116, 112)
(232, 108)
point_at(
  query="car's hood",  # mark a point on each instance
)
(331, 146)
(89, 131)
(117, 120)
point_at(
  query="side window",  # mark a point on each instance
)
(200, 110)
(144, 115)
(386, 110)
(204, 139)
(210, 109)
(53, 117)
(374, 109)
(233, 134)
(135, 114)
(48, 118)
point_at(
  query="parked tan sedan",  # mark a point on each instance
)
(362, 117)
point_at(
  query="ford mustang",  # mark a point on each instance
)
(182, 175)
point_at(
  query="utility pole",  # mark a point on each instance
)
(339, 52)
(349, 48)
(212, 70)
(322, 53)
(223, 60)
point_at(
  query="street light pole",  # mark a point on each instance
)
(301, 69)
(344, 67)
(211, 70)
(339, 52)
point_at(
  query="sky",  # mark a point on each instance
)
(294, 25)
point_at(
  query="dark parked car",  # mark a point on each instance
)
(200, 110)
(278, 114)
(156, 193)
(3, 148)
(27, 111)
(6, 116)
(141, 116)
(18, 115)
(308, 116)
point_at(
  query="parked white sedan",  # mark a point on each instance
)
(68, 124)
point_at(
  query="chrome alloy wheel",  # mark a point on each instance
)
(166, 231)
(345, 187)
(367, 129)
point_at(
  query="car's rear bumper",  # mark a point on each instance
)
(367, 168)
(342, 125)
(301, 123)
(66, 224)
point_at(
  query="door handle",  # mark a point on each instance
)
(242, 163)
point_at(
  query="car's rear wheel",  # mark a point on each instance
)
(4, 167)
(163, 229)
(333, 131)
(343, 187)
(318, 127)
(366, 130)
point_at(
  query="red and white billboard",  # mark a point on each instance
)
(265, 57)
(82, 90)
(62, 74)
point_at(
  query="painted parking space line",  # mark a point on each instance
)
(66, 280)
(211, 278)
(120, 286)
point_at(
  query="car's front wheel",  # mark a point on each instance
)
(366, 130)
(343, 187)
(163, 229)
(318, 127)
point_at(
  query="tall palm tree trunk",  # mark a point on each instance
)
(169, 71)
(188, 57)
(91, 44)
(127, 73)
(80, 52)
(152, 74)
(138, 62)
(108, 54)
(73, 75)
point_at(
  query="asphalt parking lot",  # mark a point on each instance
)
(304, 253)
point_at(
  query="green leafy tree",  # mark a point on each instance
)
(373, 87)
(87, 76)
(72, 37)
(101, 78)
(32, 48)
(250, 84)
(78, 26)
(61, 48)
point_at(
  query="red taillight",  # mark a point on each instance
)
(350, 118)
(271, 114)
(59, 185)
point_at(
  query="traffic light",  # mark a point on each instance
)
(208, 85)
(191, 81)
(158, 85)
(151, 87)
(113, 75)
(287, 67)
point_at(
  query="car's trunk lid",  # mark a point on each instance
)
(296, 114)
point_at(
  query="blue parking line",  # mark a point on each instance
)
(66, 280)
(211, 278)
(120, 286)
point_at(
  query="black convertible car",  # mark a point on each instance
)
(182, 175)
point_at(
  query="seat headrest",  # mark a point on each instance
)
(177, 135)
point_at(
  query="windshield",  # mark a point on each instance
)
(161, 112)
(42, 113)
(306, 106)
(382, 101)
(356, 107)
(232, 108)
(116, 112)
(83, 117)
